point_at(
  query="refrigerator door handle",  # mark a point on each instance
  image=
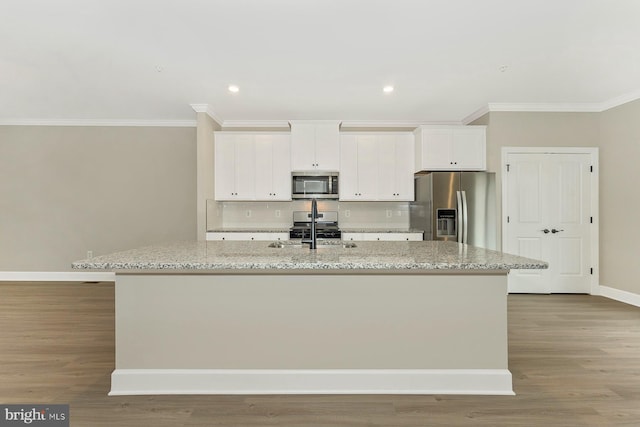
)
(465, 218)
(459, 213)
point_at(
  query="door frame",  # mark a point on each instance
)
(595, 197)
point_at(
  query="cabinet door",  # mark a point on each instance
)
(264, 167)
(348, 179)
(469, 148)
(303, 147)
(245, 166)
(387, 167)
(368, 169)
(225, 172)
(396, 157)
(404, 161)
(348, 236)
(436, 149)
(327, 147)
(281, 177)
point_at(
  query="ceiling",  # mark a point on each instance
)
(143, 60)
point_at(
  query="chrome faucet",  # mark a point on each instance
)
(313, 242)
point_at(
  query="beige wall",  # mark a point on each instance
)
(67, 190)
(616, 133)
(620, 198)
(205, 175)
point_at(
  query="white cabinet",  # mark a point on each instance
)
(376, 166)
(315, 145)
(388, 237)
(234, 167)
(248, 235)
(273, 167)
(252, 166)
(450, 148)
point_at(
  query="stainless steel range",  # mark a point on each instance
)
(326, 225)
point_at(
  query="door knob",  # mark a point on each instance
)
(554, 231)
(545, 231)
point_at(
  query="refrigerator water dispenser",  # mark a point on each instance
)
(446, 222)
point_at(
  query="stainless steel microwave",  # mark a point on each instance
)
(314, 185)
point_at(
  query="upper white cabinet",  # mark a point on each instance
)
(376, 166)
(234, 166)
(252, 166)
(273, 167)
(450, 148)
(315, 145)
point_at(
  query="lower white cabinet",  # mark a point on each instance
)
(234, 235)
(395, 237)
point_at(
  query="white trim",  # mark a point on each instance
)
(620, 100)
(550, 107)
(391, 123)
(57, 276)
(620, 295)
(546, 107)
(256, 124)
(92, 122)
(595, 199)
(205, 108)
(476, 115)
(311, 381)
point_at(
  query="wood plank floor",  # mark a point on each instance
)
(575, 360)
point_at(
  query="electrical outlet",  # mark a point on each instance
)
(389, 213)
(347, 213)
(277, 213)
(89, 254)
(248, 213)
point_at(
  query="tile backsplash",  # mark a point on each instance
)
(251, 215)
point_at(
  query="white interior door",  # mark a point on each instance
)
(548, 210)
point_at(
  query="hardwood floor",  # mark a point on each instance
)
(575, 361)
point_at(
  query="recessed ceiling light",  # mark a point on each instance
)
(387, 89)
(233, 88)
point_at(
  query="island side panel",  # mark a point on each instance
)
(404, 321)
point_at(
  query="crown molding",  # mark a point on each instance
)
(391, 123)
(91, 122)
(476, 115)
(546, 107)
(586, 107)
(205, 108)
(620, 100)
(255, 124)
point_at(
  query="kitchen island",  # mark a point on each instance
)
(378, 317)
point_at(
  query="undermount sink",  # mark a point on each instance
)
(321, 244)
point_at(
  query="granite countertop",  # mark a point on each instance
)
(380, 230)
(252, 255)
(248, 230)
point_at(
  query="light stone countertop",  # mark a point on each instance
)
(248, 230)
(257, 255)
(380, 230)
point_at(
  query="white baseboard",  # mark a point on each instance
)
(619, 295)
(320, 381)
(57, 276)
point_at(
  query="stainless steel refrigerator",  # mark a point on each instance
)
(456, 206)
